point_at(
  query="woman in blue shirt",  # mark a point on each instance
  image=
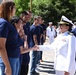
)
(9, 46)
(17, 23)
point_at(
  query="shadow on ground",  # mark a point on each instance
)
(48, 62)
(47, 67)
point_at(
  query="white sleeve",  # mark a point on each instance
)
(47, 32)
(75, 53)
(75, 43)
(71, 53)
(47, 47)
(54, 32)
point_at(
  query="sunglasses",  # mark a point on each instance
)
(63, 24)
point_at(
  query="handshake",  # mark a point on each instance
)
(35, 48)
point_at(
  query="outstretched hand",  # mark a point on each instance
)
(36, 47)
(66, 73)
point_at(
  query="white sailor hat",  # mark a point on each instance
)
(50, 23)
(65, 20)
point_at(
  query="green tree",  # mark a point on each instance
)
(44, 8)
(52, 10)
(66, 7)
(21, 5)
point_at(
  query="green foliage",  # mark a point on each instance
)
(52, 10)
(21, 5)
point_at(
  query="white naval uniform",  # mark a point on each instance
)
(75, 61)
(64, 46)
(50, 34)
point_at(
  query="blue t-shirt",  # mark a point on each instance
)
(27, 32)
(43, 28)
(26, 57)
(21, 43)
(35, 30)
(9, 32)
(39, 32)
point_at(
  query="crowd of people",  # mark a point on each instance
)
(17, 39)
(21, 42)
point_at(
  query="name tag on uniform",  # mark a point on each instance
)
(64, 40)
(61, 43)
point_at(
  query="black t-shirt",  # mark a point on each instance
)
(26, 57)
(27, 32)
(35, 30)
(44, 27)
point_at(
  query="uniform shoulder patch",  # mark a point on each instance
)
(70, 33)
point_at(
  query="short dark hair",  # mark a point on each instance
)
(23, 13)
(70, 27)
(39, 17)
(35, 17)
(15, 19)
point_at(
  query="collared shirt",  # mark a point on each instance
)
(50, 32)
(64, 46)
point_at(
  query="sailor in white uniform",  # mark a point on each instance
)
(64, 46)
(50, 32)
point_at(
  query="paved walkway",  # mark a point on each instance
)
(46, 67)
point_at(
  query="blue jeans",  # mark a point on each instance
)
(14, 62)
(41, 52)
(33, 61)
(41, 55)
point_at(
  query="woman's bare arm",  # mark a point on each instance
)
(4, 56)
